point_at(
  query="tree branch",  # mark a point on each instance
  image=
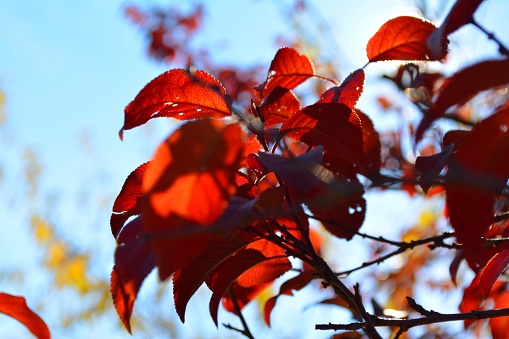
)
(491, 36)
(246, 332)
(406, 324)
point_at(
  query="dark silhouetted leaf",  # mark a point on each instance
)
(288, 70)
(348, 92)
(17, 308)
(460, 87)
(478, 171)
(401, 38)
(334, 126)
(187, 186)
(133, 262)
(372, 147)
(429, 167)
(179, 94)
(128, 201)
(278, 106)
(459, 15)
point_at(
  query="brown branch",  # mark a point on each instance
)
(246, 332)
(491, 36)
(406, 324)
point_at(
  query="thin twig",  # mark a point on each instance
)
(246, 332)
(409, 323)
(491, 36)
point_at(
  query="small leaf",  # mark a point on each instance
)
(179, 94)
(492, 271)
(133, 262)
(460, 14)
(288, 69)
(429, 167)
(460, 87)
(127, 203)
(401, 38)
(348, 92)
(334, 126)
(278, 106)
(187, 186)
(294, 284)
(17, 308)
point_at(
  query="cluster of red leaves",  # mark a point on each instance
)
(221, 202)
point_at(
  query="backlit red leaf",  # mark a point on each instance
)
(133, 262)
(17, 308)
(348, 92)
(294, 284)
(459, 15)
(288, 69)
(372, 147)
(128, 201)
(477, 173)
(492, 271)
(334, 126)
(401, 38)
(461, 86)
(179, 94)
(500, 325)
(243, 261)
(187, 187)
(278, 106)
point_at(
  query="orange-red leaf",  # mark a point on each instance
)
(492, 271)
(334, 126)
(128, 201)
(348, 92)
(278, 106)
(17, 308)
(462, 86)
(179, 94)
(478, 171)
(187, 187)
(272, 257)
(288, 69)
(133, 262)
(401, 38)
(459, 15)
(294, 284)
(500, 325)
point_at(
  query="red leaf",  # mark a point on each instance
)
(500, 325)
(401, 38)
(348, 92)
(478, 171)
(128, 201)
(372, 147)
(342, 214)
(133, 262)
(294, 284)
(189, 278)
(243, 295)
(288, 69)
(17, 308)
(187, 187)
(460, 87)
(278, 106)
(492, 271)
(179, 94)
(334, 126)
(459, 15)
(243, 261)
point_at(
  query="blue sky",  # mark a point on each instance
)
(68, 68)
